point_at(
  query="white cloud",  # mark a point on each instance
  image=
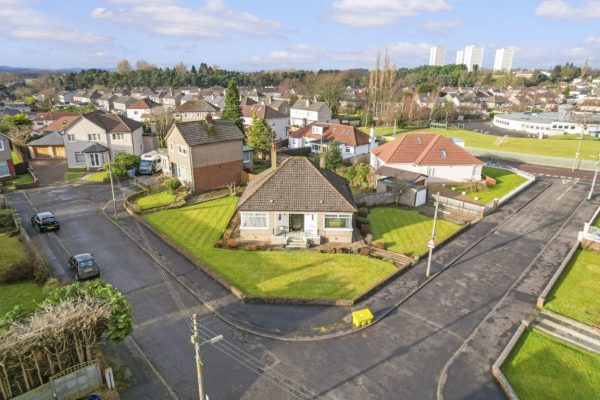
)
(563, 9)
(210, 20)
(592, 40)
(361, 13)
(440, 26)
(282, 59)
(18, 19)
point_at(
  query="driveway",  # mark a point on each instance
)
(439, 343)
(50, 171)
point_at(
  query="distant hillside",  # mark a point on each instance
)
(26, 70)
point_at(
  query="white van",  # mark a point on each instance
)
(151, 162)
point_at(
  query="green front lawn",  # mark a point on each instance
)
(555, 147)
(542, 367)
(577, 292)
(27, 294)
(10, 184)
(159, 199)
(267, 273)
(75, 173)
(99, 176)
(506, 181)
(407, 231)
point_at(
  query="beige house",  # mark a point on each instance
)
(194, 110)
(93, 139)
(297, 204)
(205, 155)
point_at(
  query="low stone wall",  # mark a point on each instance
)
(496, 367)
(542, 298)
(530, 180)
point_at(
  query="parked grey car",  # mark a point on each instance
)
(83, 266)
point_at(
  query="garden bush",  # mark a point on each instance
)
(379, 245)
(232, 244)
(363, 220)
(219, 244)
(365, 229)
(172, 184)
(365, 251)
(363, 211)
(252, 247)
(31, 268)
(122, 163)
(6, 218)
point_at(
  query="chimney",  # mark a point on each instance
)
(307, 102)
(372, 135)
(273, 156)
(321, 158)
(209, 120)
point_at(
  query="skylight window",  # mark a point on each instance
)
(419, 141)
(443, 153)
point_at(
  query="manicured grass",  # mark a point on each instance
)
(99, 176)
(27, 294)
(384, 130)
(267, 273)
(407, 231)
(16, 158)
(576, 294)
(11, 250)
(159, 199)
(545, 368)
(10, 184)
(554, 147)
(75, 173)
(506, 181)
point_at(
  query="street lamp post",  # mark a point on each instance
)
(197, 344)
(589, 197)
(112, 189)
(431, 243)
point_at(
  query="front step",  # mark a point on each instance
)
(296, 244)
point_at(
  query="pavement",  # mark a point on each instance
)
(438, 339)
(49, 171)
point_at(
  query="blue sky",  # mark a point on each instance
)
(280, 34)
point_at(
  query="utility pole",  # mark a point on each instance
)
(594, 180)
(197, 344)
(431, 243)
(577, 152)
(112, 188)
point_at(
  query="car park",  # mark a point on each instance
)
(44, 221)
(83, 266)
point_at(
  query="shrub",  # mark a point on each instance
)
(339, 250)
(252, 247)
(18, 271)
(363, 220)
(365, 251)
(172, 184)
(365, 229)
(122, 163)
(232, 244)
(379, 245)
(219, 244)
(6, 218)
(363, 211)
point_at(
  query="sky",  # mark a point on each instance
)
(282, 34)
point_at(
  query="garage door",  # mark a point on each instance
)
(43, 152)
(421, 197)
(59, 151)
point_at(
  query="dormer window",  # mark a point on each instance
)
(443, 153)
(317, 130)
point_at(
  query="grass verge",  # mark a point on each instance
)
(575, 294)
(506, 181)
(159, 199)
(99, 176)
(407, 231)
(267, 273)
(543, 367)
(10, 184)
(75, 173)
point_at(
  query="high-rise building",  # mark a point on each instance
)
(460, 57)
(503, 60)
(437, 56)
(473, 55)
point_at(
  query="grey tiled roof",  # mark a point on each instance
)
(198, 132)
(96, 148)
(112, 122)
(51, 139)
(297, 185)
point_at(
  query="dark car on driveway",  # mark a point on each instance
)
(45, 221)
(83, 266)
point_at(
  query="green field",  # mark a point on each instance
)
(553, 147)
(154, 200)
(407, 231)
(28, 294)
(577, 293)
(385, 130)
(506, 181)
(542, 367)
(267, 273)
(10, 184)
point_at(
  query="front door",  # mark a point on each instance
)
(296, 222)
(95, 160)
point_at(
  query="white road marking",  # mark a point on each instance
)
(565, 192)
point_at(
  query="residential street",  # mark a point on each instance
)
(440, 342)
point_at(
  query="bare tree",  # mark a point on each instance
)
(163, 120)
(144, 65)
(180, 68)
(123, 66)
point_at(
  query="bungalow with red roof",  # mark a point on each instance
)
(278, 121)
(436, 156)
(141, 110)
(351, 140)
